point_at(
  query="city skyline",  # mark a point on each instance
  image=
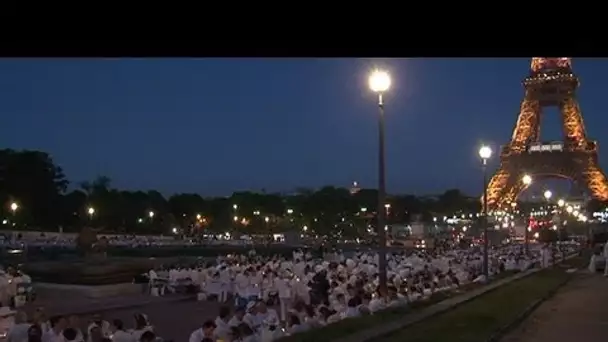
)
(215, 126)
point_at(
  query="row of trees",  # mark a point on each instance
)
(35, 194)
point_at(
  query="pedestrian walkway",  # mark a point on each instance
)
(578, 312)
(82, 305)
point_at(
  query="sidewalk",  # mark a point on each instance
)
(83, 305)
(577, 312)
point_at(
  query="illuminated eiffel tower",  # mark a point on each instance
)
(551, 82)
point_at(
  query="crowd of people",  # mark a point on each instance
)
(39, 328)
(265, 298)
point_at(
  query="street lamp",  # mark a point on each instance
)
(91, 212)
(289, 211)
(485, 152)
(151, 214)
(527, 180)
(548, 195)
(14, 207)
(379, 83)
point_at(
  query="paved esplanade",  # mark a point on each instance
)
(579, 312)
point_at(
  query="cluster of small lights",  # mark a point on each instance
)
(545, 77)
(601, 216)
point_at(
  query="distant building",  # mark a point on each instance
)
(354, 188)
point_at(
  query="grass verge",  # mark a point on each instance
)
(352, 326)
(482, 317)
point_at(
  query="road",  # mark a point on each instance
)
(579, 312)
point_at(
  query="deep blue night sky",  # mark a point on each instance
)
(213, 126)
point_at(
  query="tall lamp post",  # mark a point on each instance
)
(91, 212)
(379, 83)
(527, 180)
(485, 152)
(14, 207)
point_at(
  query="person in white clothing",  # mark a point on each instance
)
(284, 289)
(101, 324)
(206, 331)
(119, 334)
(241, 285)
(226, 284)
(237, 318)
(18, 332)
(222, 326)
(58, 323)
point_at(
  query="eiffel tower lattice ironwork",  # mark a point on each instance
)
(551, 82)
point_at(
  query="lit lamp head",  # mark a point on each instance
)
(485, 152)
(91, 211)
(266, 219)
(379, 81)
(151, 214)
(561, 203)
(548, 194)
(527, 180)
(14, 206)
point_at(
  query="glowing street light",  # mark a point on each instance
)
(91, 211)
(569, 209)
(14, 207)
(485, 152)
(305, 228)
(379, 82)
(151, 214)
(548, 194)
(289, 211)
(527, 180)
(561, 203)
(235, 206)
(198, 216)
(363, 210)
(266, 219)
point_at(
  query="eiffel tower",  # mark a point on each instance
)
(551, 82)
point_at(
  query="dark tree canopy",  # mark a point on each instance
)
(31, 179)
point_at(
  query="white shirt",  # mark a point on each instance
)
(197, 335)
(137, 333)
(282, 287)
(18, 332)
(235, 321)
(242, 284)
(222, 330)
(122, 336)
(50, 336)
